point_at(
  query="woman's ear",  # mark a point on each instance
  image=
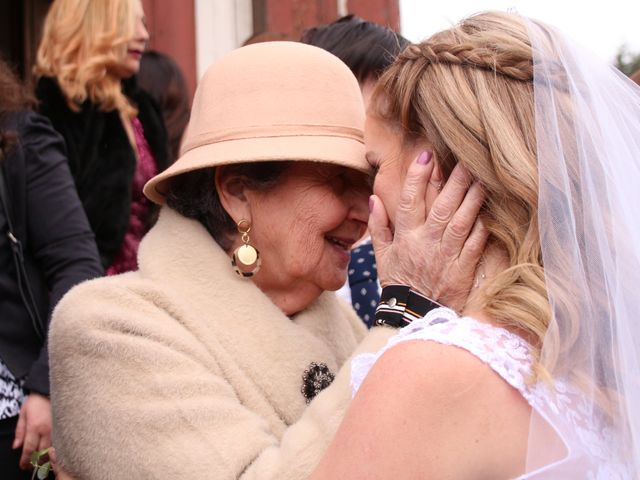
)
(231, 190)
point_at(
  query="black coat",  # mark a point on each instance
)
(102, 160)
(59, 247)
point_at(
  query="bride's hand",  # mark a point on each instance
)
(436, 252)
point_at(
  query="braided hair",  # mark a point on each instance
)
(469, 92)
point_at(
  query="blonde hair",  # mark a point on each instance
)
(469, 91)
(82, 45)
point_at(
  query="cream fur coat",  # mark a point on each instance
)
(182, 370)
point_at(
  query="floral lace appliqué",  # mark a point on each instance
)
(563, 406)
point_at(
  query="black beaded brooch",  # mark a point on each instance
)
(315, 379)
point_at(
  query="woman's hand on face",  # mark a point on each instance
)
(434, 252)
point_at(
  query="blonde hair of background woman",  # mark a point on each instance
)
(469, 91)
(82, 46)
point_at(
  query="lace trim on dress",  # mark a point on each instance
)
(590, 449)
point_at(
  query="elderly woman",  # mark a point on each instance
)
(538, 375)
(211, 358)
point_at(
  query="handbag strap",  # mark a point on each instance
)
(18, 257)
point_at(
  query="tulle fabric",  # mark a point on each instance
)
(588, 148)
(575, 443)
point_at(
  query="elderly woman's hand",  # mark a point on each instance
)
(434, 251)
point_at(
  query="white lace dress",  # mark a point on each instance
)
(563, 407)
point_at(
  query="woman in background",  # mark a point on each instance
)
(115, 136)
(161, 77)
(366, 47)
(57, 251)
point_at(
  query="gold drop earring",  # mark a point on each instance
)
(246, 258)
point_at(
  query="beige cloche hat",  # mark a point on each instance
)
(272, 101)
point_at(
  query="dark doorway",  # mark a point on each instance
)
(20, 27)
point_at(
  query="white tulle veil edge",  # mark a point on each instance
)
(587, 119)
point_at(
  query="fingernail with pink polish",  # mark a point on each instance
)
(424, 158)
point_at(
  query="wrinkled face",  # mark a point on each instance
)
(390, 158)
(136, 46)
(306, 225)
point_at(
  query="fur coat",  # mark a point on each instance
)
(101, 158)
(184, 370)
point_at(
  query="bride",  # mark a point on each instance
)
(538, 376)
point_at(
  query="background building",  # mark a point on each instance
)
(197, 32)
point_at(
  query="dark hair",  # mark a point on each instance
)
(161, 77)
(366, 47)
(193, 195)
(265, 37)
(13, 98)
(636, 76)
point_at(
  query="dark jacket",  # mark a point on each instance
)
(58, 244)
(101, 158)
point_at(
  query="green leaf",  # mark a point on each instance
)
(35, 457)
(43, 470)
